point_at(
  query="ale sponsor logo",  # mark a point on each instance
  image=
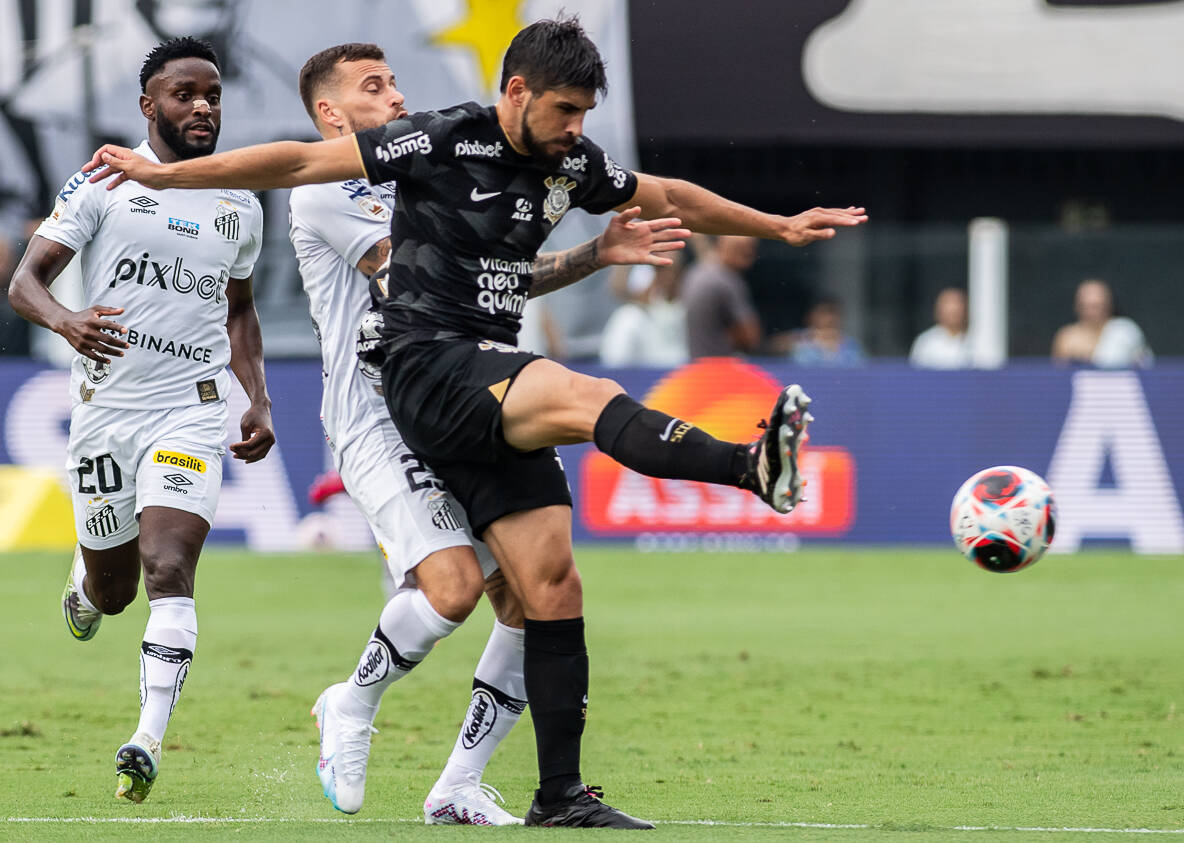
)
(523, 210)
(725, 398)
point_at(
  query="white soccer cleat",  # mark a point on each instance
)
(345, 749)
(466, 804)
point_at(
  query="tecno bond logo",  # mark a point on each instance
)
(726, 398)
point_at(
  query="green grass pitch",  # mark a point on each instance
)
(901, 693)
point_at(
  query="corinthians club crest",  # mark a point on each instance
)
(557, 201)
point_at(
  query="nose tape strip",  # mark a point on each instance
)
(200, 101)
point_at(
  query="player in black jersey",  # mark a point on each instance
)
(479, 190)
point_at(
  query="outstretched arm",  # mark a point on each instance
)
(708, 213)
(626, 240)
(261, 167)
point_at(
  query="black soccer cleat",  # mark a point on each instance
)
(580, 807)
(773, 473)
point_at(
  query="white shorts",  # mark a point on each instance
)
(407, 507)
(120, 461)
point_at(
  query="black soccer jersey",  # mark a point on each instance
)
(470, 216)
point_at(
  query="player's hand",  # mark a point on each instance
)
(93, 336)
(820, 224)
(120, 162)
(258, 435)
(628, 239)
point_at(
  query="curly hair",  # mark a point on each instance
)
(183, 47)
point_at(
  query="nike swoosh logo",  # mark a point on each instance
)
(481, 197)
(665, 437)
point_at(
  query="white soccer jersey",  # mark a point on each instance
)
(332, 226)
(165, 257)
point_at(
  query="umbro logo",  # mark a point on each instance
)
(144, 205)
(179, 656)
(178, 479)
(481, 197)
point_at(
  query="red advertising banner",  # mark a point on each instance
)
(725, 397)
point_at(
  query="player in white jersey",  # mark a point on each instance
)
(341, 233)
(167, 284)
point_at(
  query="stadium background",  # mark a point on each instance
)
(930, 114)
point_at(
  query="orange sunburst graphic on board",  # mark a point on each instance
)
(725, 397)
(721, 395)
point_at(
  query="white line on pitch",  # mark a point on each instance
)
(720, 823)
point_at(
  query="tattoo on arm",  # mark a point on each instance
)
(375, 257)
(555, 270)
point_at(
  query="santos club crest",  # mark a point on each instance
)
(226, 220)
(557, 201)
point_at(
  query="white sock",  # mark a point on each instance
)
(407, 630)
(165, 657)
(499, 698)
(79, 576)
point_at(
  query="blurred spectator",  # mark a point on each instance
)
(649, 329)
(945, 345)
(14, 331)
(721, 318)
(541, 331)
(822, 342)
(1098, 336)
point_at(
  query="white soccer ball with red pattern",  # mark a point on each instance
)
(1003, 518)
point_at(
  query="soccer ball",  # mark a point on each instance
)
(1003, 518)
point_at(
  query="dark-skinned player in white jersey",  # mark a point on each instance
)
(479, 191)
(167, 278)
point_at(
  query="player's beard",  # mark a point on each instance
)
(174, 138)
(536, 149)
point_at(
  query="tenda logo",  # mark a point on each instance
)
(726, 398)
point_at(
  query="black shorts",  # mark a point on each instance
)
(445, 397)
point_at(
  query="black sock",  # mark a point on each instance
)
(556, 666)
(659, 445)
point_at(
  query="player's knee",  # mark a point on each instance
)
(166, 573)
(602, 390)
(114, 596)
(455, 597)
(592, 394)
(454, 604)
(556, 590)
